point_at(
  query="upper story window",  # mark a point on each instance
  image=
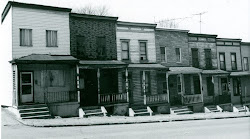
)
(125, 50)
(143, 51)
(25, 37)
(163, 54)
(195, 58)
(101, 46)
(80, 42)
(222, 61)
(51, 38)
(208, 59)
(233, 61)
(178, 54)
(246, 65)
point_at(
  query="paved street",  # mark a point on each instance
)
(221, 128)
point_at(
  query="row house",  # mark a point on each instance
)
(146, 79)
(184, 81)
(42, 68)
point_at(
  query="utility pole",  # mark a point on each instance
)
(200, 14)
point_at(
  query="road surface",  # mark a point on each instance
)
(238, 128)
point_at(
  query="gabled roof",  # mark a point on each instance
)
(45, 58)
(29, 5)
(98, 17)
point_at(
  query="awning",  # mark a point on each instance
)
(215, 72)
(147, 66)
(92, 64)
(240, 73)
(45, 59)
(184, 70)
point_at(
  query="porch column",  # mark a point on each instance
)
(126, 74)
(78, 82)
(144, 86)
(15, 101)
(167, 86)
(201, 86)
(98, 84)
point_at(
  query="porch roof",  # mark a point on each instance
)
(184, 70)
(44, 58)
(240, 73)
(147, 66)
(90, 64)
(215, 72)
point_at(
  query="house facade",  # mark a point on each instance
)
(43, 71)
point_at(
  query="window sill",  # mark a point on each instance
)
(26, 45)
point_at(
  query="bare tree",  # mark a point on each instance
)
(98, 10)
(168, 23)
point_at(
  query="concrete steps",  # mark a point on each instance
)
(140, 111)
(92, 111)
(240, 108)
(212, 108)
(179, 110)
(34, 111)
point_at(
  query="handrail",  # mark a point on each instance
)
(61, 96)
(190, 99)
(156, 98)
(113, 98)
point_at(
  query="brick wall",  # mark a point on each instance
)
(172, 40)
(90, 29)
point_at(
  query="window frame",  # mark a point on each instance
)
(231, 54)
(165, 54)
(47, 41)
(102, 47)
(246, 65)
(208, 59)
(179, 55)
(20, 37)
(128, 50)
(146, 52)
(195, 61)
(224, 62)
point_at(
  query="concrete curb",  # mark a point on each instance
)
(131, 122)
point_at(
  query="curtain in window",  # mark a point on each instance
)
(25, 37)
(51, 38)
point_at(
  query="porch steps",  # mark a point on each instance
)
(240, 108)
(140, 111)
(92, 111)
(179, 110)
(212, 108)
(34, 111)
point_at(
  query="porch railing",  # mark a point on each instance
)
(59, 97)
(158, 98)
(190, 99)
(113, 98)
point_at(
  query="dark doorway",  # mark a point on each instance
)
(175, 89)
(89, 95)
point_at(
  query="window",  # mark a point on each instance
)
(195, 59)
(51, 38)
(233, 61)
(145, 79)
(208, 59)
(125, 50)
(163, 54)
(80, 42)
(222, 61)
(246, 66)
(56, 78)
(179, 86)
(25, 37)
(178, 54)
(236, 86)
(101, 46)
(143, 51)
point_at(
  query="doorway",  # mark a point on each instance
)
(26, 87)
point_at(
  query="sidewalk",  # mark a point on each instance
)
(75, 121)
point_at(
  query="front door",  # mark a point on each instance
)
(26, 87)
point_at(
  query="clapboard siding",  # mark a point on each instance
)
(228, 50)
(134, 49)
(40, 21)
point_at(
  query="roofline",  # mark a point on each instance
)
(136, 24)
(94, 16)
(174, 30)
(245, 43)
(202, 35)
(228, 39)
(29, 5)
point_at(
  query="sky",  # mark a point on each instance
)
(225, 18)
